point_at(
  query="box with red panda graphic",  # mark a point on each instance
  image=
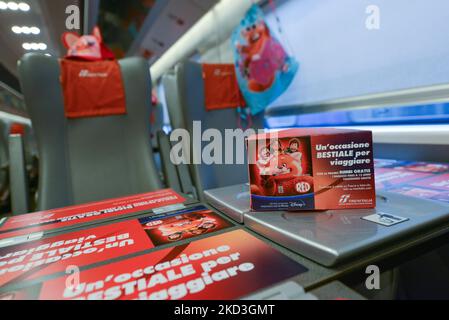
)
(311, 169)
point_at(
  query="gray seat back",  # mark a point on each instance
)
(189, 106)
(89, 159)
(172, 97)
(3, 145)
(4, 158)
(30, 145)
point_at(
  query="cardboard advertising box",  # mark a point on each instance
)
(44, 257)
(311, 169)
(226, 266)
(35, 225)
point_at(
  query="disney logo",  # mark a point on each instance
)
(297, 204)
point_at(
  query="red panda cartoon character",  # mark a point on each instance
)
(262, 57)
(285, 178)
(86, 47)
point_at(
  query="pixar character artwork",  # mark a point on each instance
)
(282, 172)
(184, 224)
(264, 69)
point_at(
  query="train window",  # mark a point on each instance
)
(419, 114)
(380, 54)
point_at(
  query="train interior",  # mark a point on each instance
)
(377, 66)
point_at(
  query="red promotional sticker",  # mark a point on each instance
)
(184, 224)
(96, 211)
(52, 255)
(439, 182)
(47, 257)
(387, 177)
(227, 266)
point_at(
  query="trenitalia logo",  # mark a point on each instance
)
(344, 198)
(84, 73)
(221, 73)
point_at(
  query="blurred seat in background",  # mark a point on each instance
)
(23, 168)
(185, 97)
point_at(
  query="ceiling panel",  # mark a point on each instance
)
(54, 19)
(169, 25)
(48, 15)
(10, 42)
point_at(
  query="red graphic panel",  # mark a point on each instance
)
(439, 182)
(185, 224)
(416, 192)
(39, 258)
(96, 211)
(425, 167)
(387, 177)
(227, 266)
(343, 171)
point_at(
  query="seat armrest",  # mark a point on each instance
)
(186, 181)
(18, 177)
(182, 170)
(168, 168)
(4, 185)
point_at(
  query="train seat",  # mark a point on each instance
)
(89, 159)
(184, 90)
